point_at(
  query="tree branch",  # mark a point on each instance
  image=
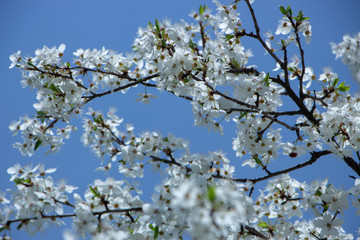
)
(314, 157)
(258, 36)
(96, 95)
(304, 110)
(352, 164)
(301, 77)
(135, 209)
(255, 232)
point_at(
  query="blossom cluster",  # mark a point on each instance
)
(349, 52)
(205, 63)
(206, 208)
(38, 202)
(35, 198)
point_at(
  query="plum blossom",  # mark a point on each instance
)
(145, 98)
(284, 26)
(327, 224)
(305, 28)
(349, 52)
(15, 58)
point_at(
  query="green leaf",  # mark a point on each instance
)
(41, 115)
(155, 230)
(192, 45)
(95, 192)
(22, 181)
(98, 119)
(55, 88)
(243, 114)
(326, 207)
(229, 36)
(235, 64)
(18, 180)
(318, 193)
(201, 9)
(37, 144)
(266, 79)
(68, 64)
(299, 16)
(335, 82)
(342, 87)
(288, 10)
(257, 160)
(263, 224)
(211, 193)
(157, 26)
(166, 139)
(282, 10)
(163, 43)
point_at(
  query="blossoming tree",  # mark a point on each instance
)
(204, 63)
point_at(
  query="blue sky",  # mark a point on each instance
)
(28, 25)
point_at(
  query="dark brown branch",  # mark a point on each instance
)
(255, 232)
(261, 133)
(314, 157)
(258, 36)
(223, 95)
(230, 110)
(203, 39)
(301, 77)
(134, 81)
(55, 74)
(304, 110)
(285, 113)
(157, 159)
(248, 71)
(352, 164)
(285, 67)
(275, 114)
(135, 209)
(232, 99)
(280, 122)
(121, 76)
(96, 95)
(298, 101)
(321, 100)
